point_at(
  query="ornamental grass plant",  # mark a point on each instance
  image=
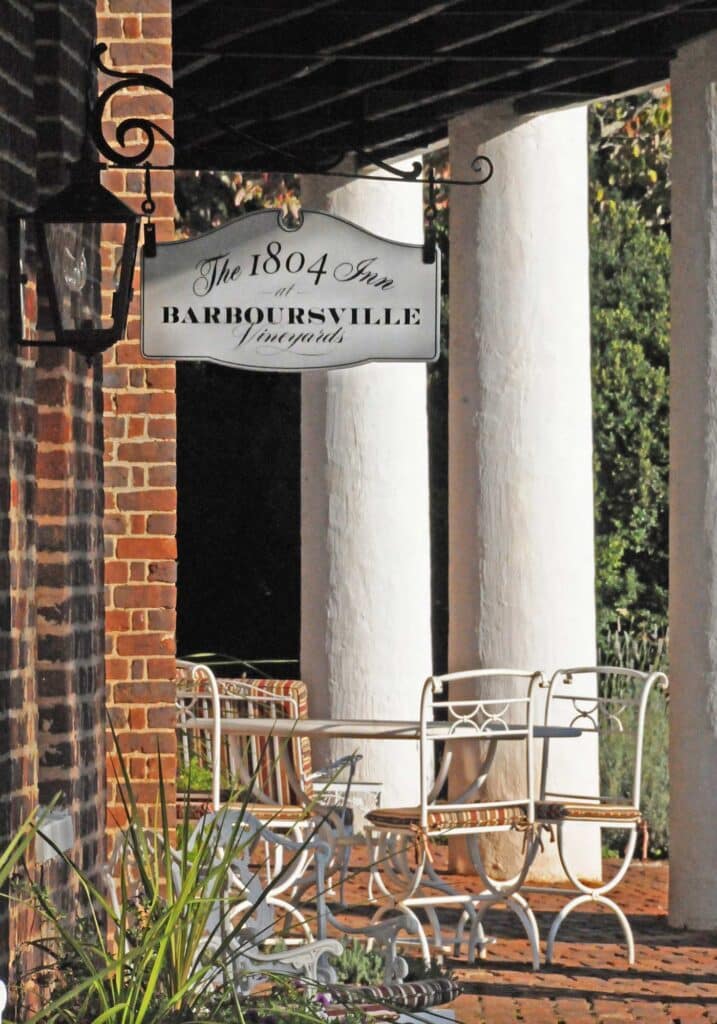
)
(170, 947)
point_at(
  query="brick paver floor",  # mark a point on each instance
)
(673, 982)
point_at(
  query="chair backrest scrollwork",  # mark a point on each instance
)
(610, 702)
(479, 705)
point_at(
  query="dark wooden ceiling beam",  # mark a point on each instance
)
(592, 29)
(682, 22)
(384, 128)
(395, 81)
(334, 31)
(237, 98)
(303, 123)
(646, 73)
(268, 60)
(296, 106)
(411, 39)
(228, 14)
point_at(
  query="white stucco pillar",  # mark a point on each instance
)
(520, 436)
(693, 489)
(365, 559)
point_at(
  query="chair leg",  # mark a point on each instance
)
(604, 901)
(415, 924)
(520, 907)
(585, 894)
(420, 931)
(373, 853)
(478, 937)
(344, 864)
(460, 933)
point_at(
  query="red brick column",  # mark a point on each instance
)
(140, 432)
(52, 616)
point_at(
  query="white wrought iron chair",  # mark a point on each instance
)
(285, 790)
(469, 713)
(242, 925)
(268, 892)
(611, 702)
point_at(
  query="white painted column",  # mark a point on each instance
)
(365, 556)
(521, 521)
(693, 489)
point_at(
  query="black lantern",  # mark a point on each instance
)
(72, 263)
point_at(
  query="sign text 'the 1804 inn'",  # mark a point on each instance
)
(256, 295)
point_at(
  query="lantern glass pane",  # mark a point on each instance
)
(85, 259)
(32, 307)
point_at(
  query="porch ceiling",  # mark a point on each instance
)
(281, 85)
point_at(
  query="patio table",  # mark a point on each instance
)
(381, 729)
(368, 729)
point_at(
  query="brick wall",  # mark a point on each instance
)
(52, 506)
(140, 433)
(69, 583)
(52, 625)
(18, 717)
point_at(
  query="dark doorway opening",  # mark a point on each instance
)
(238, 468)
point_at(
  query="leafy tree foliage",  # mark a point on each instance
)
(630, 144)
(208, 199)
(630, 149)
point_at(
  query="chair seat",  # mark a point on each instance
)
(444, 820)
(567, 810)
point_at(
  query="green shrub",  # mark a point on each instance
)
(359, 966)
(194, 777)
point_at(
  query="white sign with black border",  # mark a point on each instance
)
(258, 295)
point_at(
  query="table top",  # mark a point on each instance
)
(367, 729)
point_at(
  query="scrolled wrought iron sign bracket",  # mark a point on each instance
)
(116, 155)
(125, 80)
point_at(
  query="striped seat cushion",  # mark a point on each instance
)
(412, 995)
(567, 810)
(443, 821)
(288, 699)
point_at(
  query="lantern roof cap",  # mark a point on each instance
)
(84, 199)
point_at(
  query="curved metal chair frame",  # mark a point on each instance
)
(243, 917)
(286, 792)
(626, 698)
(400, 835)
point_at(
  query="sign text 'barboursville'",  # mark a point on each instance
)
(256, 295)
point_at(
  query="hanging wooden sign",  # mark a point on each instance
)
(257, 295)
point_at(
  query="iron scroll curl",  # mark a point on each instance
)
(150, 129)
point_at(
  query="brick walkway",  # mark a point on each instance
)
(673, 982)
